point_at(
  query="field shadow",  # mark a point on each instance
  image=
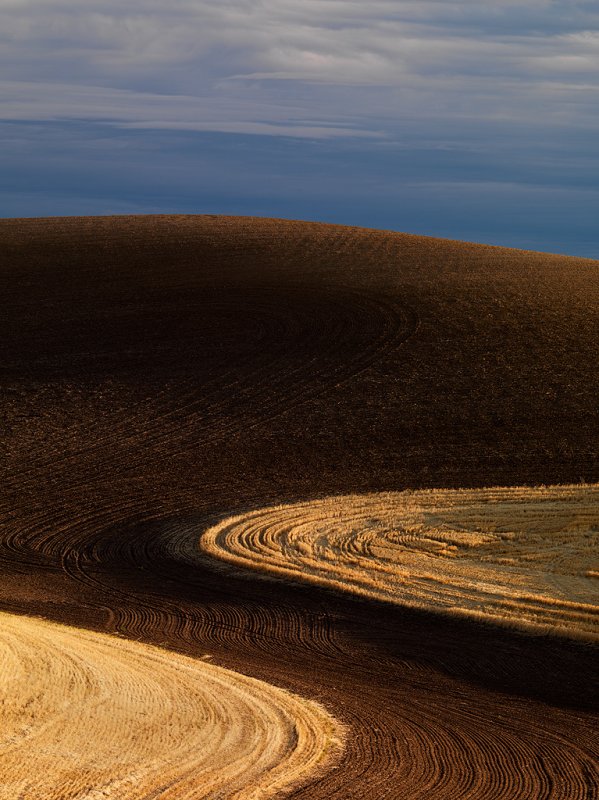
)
(376, 639)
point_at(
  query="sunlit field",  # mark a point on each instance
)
(89, 715)
(521, 557)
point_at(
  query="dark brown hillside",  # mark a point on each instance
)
(165, 371)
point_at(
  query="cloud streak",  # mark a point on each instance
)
(453, 58)
(30, 101)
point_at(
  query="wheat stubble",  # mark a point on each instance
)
(521, 557)
(85, 715)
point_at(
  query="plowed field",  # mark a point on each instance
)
(159, 375)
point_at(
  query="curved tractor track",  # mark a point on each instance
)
(162, 374)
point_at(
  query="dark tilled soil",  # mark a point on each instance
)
(162, 372)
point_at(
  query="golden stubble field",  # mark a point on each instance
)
(522, 557)
(85, 715)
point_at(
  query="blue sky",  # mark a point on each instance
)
(468, 120)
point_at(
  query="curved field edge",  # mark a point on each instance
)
(148, 721)
(520, 557)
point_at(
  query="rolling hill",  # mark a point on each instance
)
(161, 374)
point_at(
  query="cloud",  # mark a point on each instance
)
(505, 58)
(39, 102)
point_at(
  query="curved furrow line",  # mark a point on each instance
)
(44, 542)
(161, 556)
(468, 755)
(91, 562)
(431, 750)
(257, 631)
(149, 722)
(428, 775)
(269, 632)
(511, 764)
(324, 346)
(521, 557)
(414, 740)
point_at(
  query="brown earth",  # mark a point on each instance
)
(161, 373)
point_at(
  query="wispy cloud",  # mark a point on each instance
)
(51, 102)
(190, 61)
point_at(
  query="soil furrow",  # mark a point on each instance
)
(161, 374)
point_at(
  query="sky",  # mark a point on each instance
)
(467, 120)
